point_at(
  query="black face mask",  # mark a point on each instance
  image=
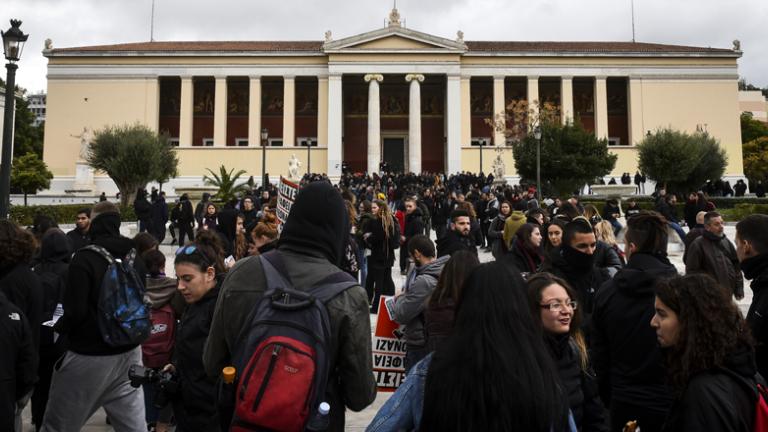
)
(577, 260)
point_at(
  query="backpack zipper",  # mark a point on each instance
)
(270, 369)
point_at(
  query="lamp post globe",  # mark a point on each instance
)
(537, 135)
(13, 45)
(264, 138)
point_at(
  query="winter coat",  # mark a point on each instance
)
(720, 399)
(78, 239)
(453, 242)
(52, 270)
(609, 210)
(351, 383)
(195, 405)
(578, 385)
(86, 271)
(22, 288)
(143, 209)
(523, 258)
(716, 256)
(607, 259)
(18, 361)
(496, 236)
(625, 353)
(187, 215)
(666, 210)
(585, 278)
(756, 269)
(695, 232)
(408, 308)
(439, 322)
(414, 224)
(162, 290)
(382, 247)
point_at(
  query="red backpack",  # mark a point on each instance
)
(761, 410)
(157, 349)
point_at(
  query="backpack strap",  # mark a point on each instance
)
(101, 251)
(131, 257)
(324, 290)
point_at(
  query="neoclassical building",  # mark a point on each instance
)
(417, 101)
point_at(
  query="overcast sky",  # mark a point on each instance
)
(68, 23)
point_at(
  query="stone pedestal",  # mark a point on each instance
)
(83, 178)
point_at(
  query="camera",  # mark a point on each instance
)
(165, 383)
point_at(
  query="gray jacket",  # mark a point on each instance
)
(351, 383)
(408, 309)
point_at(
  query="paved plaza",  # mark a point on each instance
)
(359, 421)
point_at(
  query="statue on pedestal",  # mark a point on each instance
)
(85, 143)
(498, 167)
(293, 167)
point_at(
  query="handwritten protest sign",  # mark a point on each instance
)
(388, 351)
(286, 195)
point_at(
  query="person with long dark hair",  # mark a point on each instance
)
(493, 373)
(496, 230)
(525, 254)
(711, 363)
(382, 238)
(554, 302)
(554, 234)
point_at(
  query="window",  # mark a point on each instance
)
(303, 141)
(173, 141)
(481, 141)
(207, 142)
(241, 142)
(275, 142)
(614, 142)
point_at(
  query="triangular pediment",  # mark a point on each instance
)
(394, 39)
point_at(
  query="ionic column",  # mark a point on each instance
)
(499, 111)
(414, 123)
(289, 111)
(187, 111)
(374, 122)
(334, 126)
(322, 111)
(220, 113)
(254, 112)
(458, 126)
(601, 108)
(566, 99)
(533, 96)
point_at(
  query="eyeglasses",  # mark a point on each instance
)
(191, 250)
(558, 306)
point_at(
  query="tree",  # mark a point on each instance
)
(168, 166)
(755, 155)
(226, 182)
(570, 157)
(27, 138)
(752, 129)
(132, 156)
(30, 174)
(679, 161)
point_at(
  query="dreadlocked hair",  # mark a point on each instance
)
(387, 221)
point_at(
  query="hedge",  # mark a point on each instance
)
(62, 213)
(732, 209)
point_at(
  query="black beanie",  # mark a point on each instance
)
(318, 223)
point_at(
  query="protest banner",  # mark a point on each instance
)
(286, 195)
(388, 350)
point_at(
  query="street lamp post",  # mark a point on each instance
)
(537, 135)
(13, 44)
(264, 136)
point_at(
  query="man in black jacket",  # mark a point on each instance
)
(752, 250)
(458, 236)
(414, 225)
(93, 374)
(186, 219)
(625, 353)
(18, 362)
(80, 236)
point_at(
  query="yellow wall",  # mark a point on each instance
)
(683, 104)
(392, 58)
(74, 104)
(393, 42)
(470, 159)
(193, 161)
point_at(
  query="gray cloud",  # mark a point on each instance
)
(690, 22)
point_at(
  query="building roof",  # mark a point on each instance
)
(316, 47)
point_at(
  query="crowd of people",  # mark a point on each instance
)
(564, 330)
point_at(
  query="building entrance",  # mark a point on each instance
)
(394, 153)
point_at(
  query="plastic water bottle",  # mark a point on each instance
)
(321, 419)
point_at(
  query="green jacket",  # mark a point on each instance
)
(351, 383)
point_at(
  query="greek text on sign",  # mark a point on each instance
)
(286, 195)
(388, 351)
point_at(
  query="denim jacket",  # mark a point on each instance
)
(402, 412)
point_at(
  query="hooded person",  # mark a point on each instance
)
(226, 228)
(311, 247)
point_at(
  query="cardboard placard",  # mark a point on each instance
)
(286, 195)
(388, 351)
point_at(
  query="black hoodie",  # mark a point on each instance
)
(625, 353)
(86, 272)
(756, 269)
(52, 270)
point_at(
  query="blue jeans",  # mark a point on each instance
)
(679, 230)
(616, 226)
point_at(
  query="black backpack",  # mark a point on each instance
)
(122, 314)
(283, 362)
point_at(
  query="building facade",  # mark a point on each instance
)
(417, 101)
(36, 104)
(753, 101)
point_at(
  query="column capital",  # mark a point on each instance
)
(533, 77)
(186, 77)
(416, 77)
(220, 77)
(289, 77)
(566, 77)
(374, 77)
(254, 77)
(601, 77)
(498, 77)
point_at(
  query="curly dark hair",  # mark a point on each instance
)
(710, 325)
(17, 245)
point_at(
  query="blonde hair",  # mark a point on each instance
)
(604, 232)
(385, 214)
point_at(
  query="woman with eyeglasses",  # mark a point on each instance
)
(552, 301)
(199, 272)
(710, 358)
